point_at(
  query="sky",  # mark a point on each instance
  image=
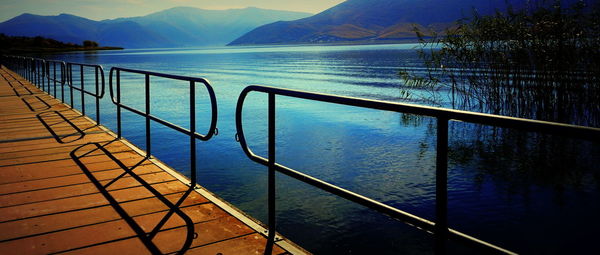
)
(110, 9)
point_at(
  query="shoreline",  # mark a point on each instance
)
(57, 50)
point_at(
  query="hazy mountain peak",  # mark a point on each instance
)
(370, 20)
(177, 26)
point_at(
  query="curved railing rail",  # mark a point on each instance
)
(440, 227)
(39, 72)
(54, 68)
(115, 94)
(43, 73)
(47, 74)
(99, 85)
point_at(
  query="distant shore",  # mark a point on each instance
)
(52, 50)
(330, 43)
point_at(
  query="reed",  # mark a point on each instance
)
(540, 62)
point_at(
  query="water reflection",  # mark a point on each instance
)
(511, 188)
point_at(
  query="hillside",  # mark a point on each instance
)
(20, 44)
(175, 27)
(370, 20)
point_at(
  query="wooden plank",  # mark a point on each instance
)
(68, 180)
(73, 219)
(247, 244)
(79, 189)
(60, 193)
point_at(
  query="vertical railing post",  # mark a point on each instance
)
(82, 89)
(192, 133)
(40, 73)
(35, 76)
(441, 184)
(43, 75)
(70, 72)
(54, 76)
(119, 133)
(29, 70)
(271, 177)
(47, 74)
(63, 80)
(148, 141)
(97, 98)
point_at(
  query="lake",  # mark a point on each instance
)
(526, 192)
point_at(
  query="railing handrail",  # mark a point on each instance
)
(441, 229)
(213, 124)
(574, 131)
(191, 132)
(163, 75)
(52, 76)
(100, 93)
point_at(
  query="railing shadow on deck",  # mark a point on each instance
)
(173, 208)
(14, 88)
(440, 227)
(76, 135)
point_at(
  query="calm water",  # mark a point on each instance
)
(525, 192)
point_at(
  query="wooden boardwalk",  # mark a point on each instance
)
(68, 186)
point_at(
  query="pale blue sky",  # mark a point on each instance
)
(109, 9)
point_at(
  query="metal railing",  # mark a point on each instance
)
(440, 227)
(99, 85)
(54, 67)
(48, 74)
(43, 74)
(39, 72)
(115, 94)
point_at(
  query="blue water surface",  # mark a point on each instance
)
(501, 188)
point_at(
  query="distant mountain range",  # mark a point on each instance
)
(372, 21)
(176, 27)
(364, 21)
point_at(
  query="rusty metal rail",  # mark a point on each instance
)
(440, 227)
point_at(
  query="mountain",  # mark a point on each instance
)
(371, 20)
(175, 27)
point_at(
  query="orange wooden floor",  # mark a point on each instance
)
(68, 186)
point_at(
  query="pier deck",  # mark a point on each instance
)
(69, 186)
